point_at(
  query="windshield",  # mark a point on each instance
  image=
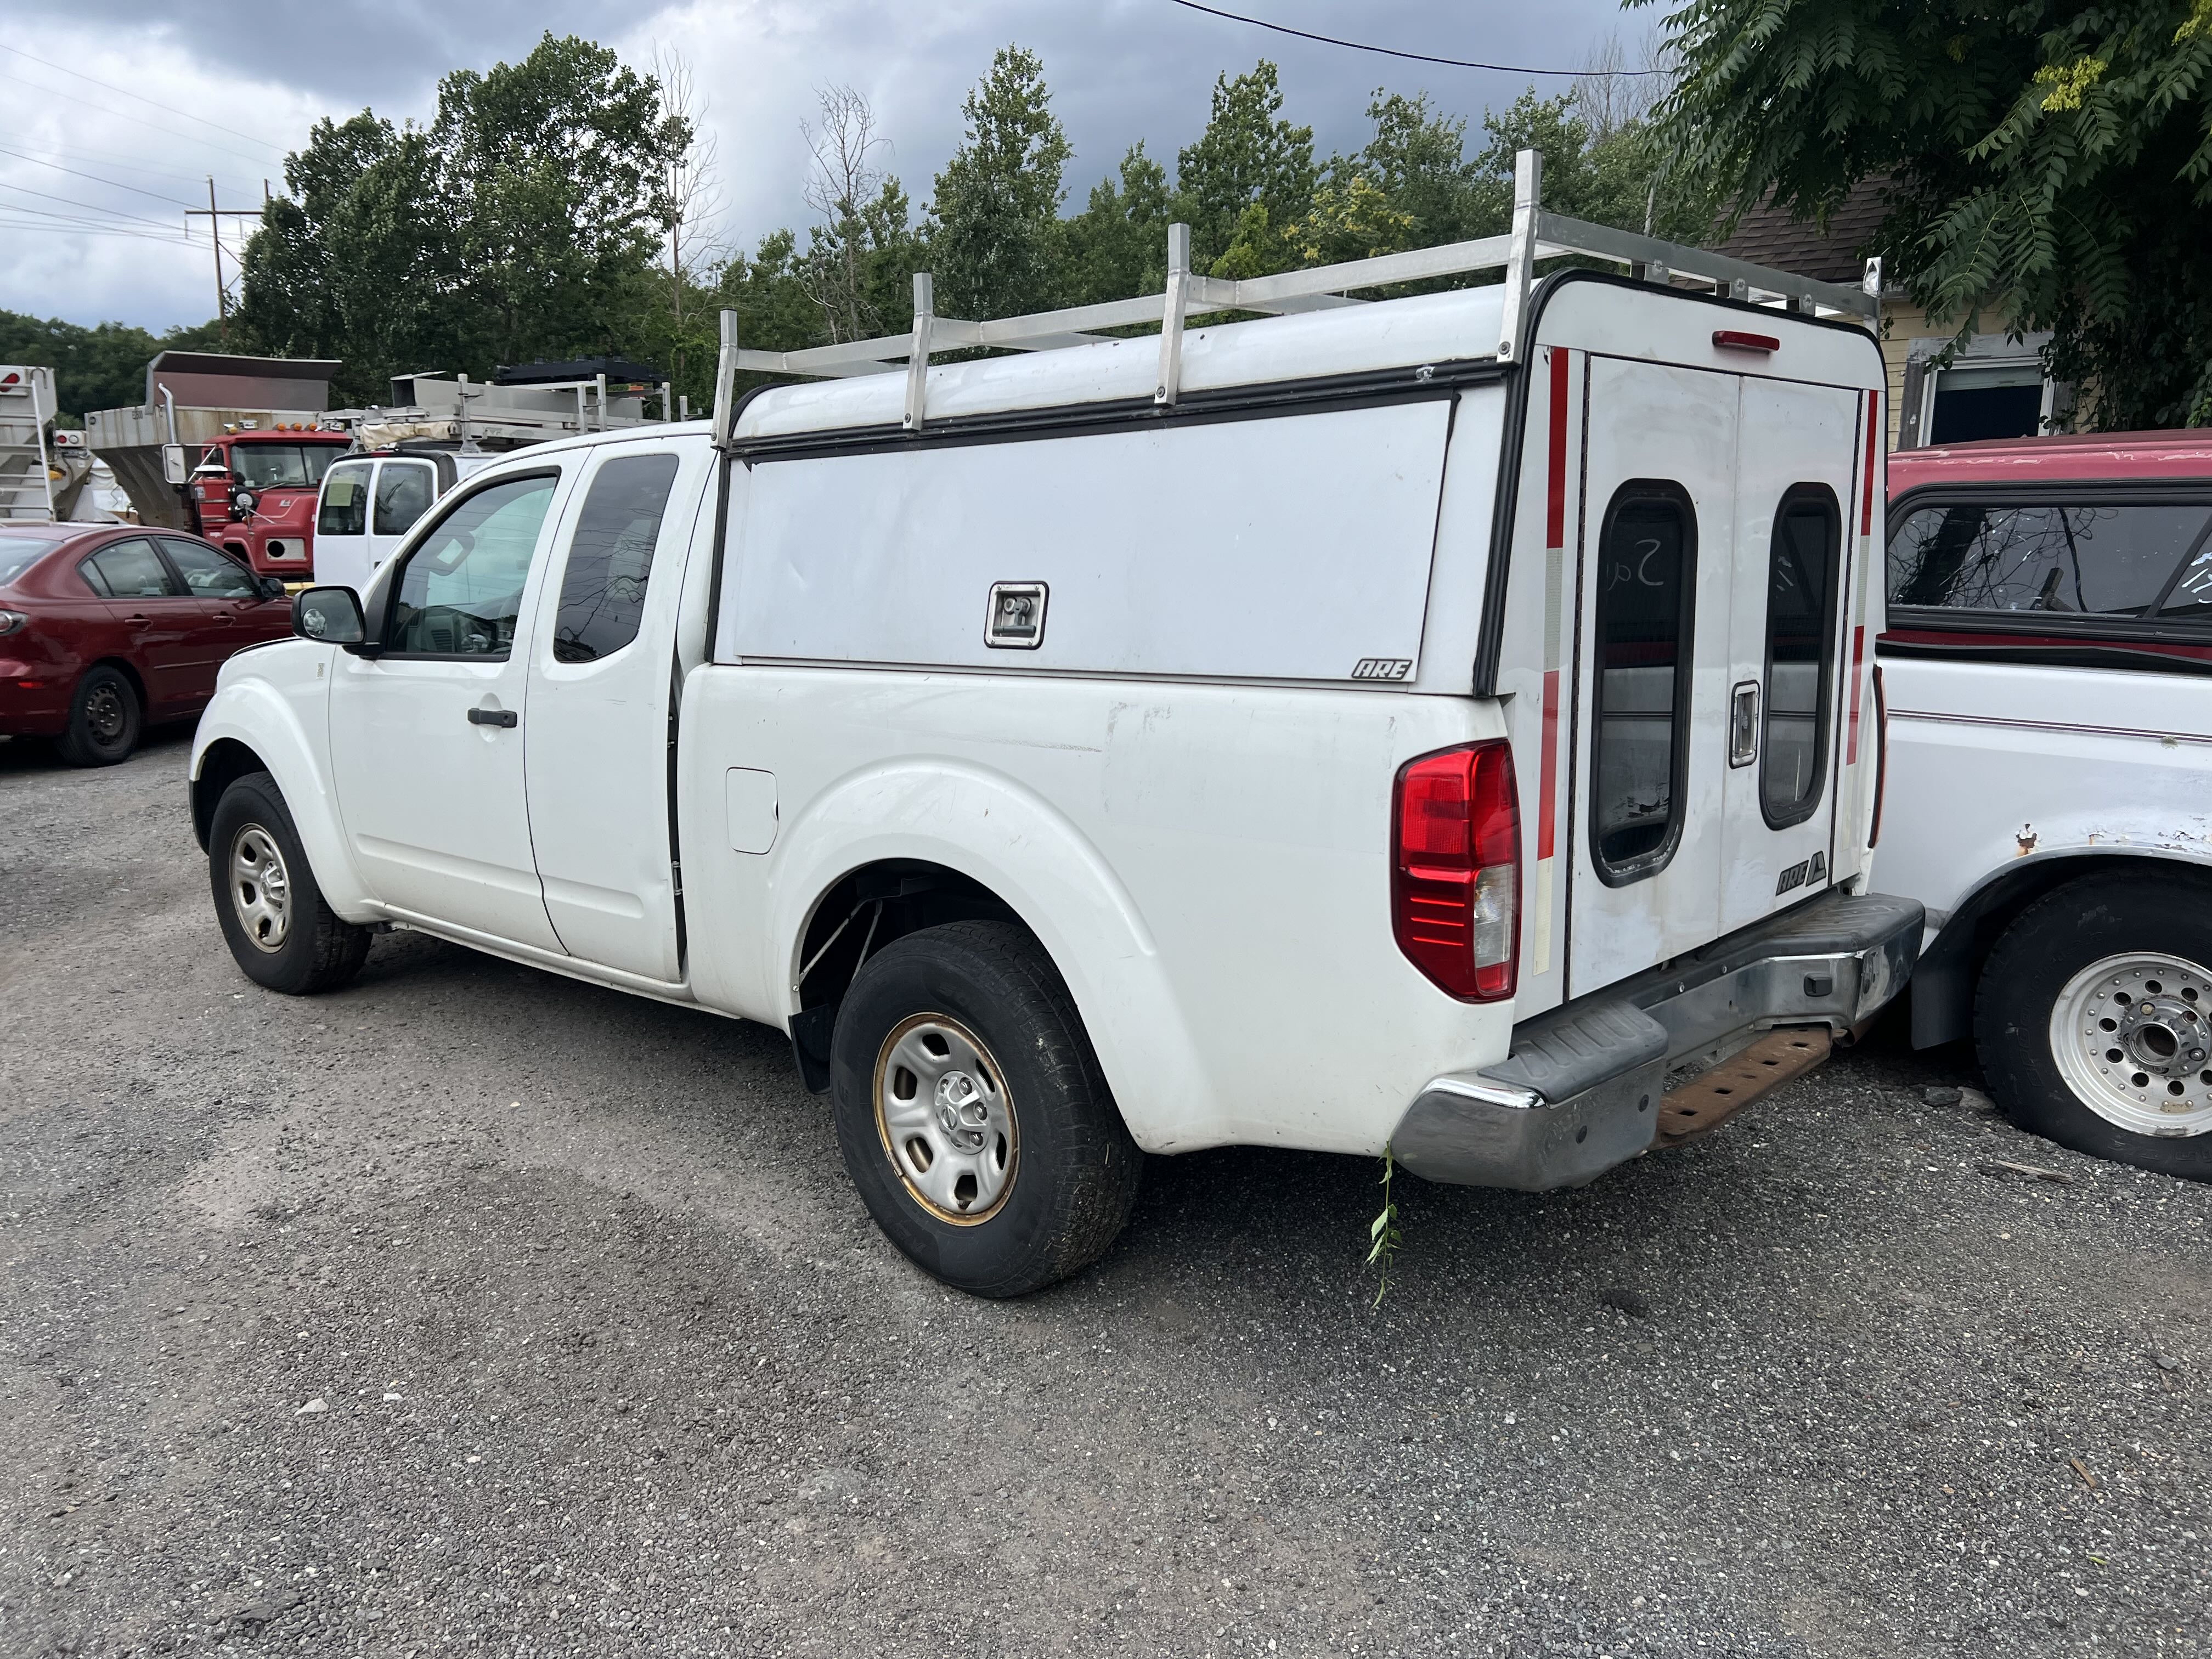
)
(282, 467)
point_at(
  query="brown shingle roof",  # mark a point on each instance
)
(1768, 236)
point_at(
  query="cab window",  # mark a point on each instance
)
(2112, 561)
(129, 570)
(344, 509)
(276, 466)
(610, 557)
(404, 489)
(460, 590)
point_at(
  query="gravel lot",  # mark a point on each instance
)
(475, 1310)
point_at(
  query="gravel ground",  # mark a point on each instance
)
(473, 1310)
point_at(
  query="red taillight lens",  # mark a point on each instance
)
(1455, 867)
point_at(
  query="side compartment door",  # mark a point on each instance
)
(1794, 465)
(427, 740)
(1656, 552)
(600, 683)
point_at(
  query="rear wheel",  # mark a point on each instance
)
(280, 931)
(2093, 1021)
(105, 719)
(972, 1113)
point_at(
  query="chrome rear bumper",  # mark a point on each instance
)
(1581, 1090)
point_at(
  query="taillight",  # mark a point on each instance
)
(1455, 869)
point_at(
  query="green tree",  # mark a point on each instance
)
(2048, 156)
(102, 367)
(1248, 156)
(996, 238)
(1117, 247)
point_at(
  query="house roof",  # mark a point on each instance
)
(1768, 236)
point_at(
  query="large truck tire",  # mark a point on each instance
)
(972, 1113)
(282, 934)
(2093, 1019)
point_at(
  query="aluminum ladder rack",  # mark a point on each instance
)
(1536, 235)
(27, 404)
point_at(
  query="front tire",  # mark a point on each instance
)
(972, 1113)
(105, 719)
(281, 933)
(2093, 1021)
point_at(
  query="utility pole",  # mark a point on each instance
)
(215, 215)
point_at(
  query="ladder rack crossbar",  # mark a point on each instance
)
(1536, 235)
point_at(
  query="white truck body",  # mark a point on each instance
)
(1147, 678)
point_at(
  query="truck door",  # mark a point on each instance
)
(426, 738)
(1795, 463)
(1656, 594)
(342, 525)
(403, 492)
(600, 689)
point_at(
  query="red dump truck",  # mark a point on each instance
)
(228, 447)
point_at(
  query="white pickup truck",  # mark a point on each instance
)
(1434, 724)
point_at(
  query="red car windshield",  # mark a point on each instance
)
(282, 467)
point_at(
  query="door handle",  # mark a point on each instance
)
(506, 717)
(1743, 723)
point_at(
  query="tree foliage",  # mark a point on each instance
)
(996, 237)
(2045, 158)
(103, 366)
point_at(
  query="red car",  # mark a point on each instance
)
(106, 628)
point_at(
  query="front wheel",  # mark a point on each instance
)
(2093, 1021)
(280, 931)
(971, 1112)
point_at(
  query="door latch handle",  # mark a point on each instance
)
(1743, 723)
(506, 717)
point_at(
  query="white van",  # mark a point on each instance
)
(369, 502)
(1438, 724)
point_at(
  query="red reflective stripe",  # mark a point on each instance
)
(1546, 804)
(1858, 656)
(1555, 493)
(1873, 449)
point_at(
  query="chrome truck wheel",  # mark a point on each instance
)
(260, 888)
(2132, 1035)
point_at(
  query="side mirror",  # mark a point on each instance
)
(272, 588)
(173, 463)
(243, 500)
(330, 616)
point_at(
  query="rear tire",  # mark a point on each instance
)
(2093, 1018)
(972, 1113)
(281, 933)
(105, 719)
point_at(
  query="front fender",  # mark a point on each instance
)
(996, 831)
(268, 719)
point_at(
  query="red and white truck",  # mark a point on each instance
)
(227, 447)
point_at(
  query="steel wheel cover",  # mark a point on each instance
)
(946, 1119)
(260, 888)
(2132, 1035)
(105, 716)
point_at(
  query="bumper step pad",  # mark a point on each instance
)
(1718, 1093)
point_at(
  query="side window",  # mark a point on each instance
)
(2113, 560)
(610, 559)
(1645, 577)
(404, 489)
(344, 510)
(1802, 569)
(209, 575)
(130, 570)
(461, 589)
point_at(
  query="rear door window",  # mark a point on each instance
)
(130, 570)
(1803, 565)
(344, 510)
(403, 491)
(2115, 561)
(610, 557)
(1647, 559)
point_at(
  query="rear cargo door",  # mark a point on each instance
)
(1655, 604)
(1796, 460)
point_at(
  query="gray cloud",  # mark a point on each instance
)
(1121, 71)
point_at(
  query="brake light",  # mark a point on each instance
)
(1455, 869)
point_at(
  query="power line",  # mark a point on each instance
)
(1392, 51)
(70, 223)
(119, 161)
(112, 184)
(65, 201)
(126, 92)
(118, 115)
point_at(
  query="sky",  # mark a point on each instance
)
(113, 116)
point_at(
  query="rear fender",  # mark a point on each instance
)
(256, 713)
(991, 828)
